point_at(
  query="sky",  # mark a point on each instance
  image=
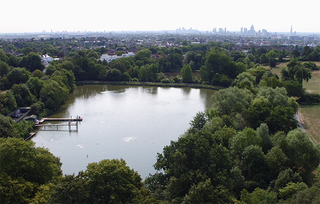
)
(19, 16)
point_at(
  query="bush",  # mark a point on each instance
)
(177, 79)
(166, 81)
(310, 98)
(135, 80)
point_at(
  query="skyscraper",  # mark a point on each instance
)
(291, 30)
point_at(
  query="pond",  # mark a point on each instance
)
(129, 122)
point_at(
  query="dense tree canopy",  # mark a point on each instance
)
(24, 168)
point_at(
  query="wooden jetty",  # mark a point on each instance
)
(60, 119)
(69, 124)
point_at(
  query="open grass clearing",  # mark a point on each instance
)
(310, 119)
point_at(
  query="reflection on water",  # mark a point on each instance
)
(129, 122)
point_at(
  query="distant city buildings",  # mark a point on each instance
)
(186, 31)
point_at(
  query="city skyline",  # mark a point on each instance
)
(275, 16)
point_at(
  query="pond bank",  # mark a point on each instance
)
(178, 85)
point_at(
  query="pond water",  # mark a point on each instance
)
(129, 122)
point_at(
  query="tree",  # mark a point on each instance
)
(53, 95)
(245, 80)
(295, 54)
(272, 54)
(291, 189)
(109, 181)
(258, 72)
(281, 119)
(93, 54)
(35, 85)
(303, 154)
(18, 75)
(38, 73)
(143, 54)
(24, 168)
(258, 112)
(7, 103)
(191, 161)
(306, 51)
(186, 74)
(264, 59)
(32, 62)
(293, 88)
(7, 127)
(4, 69)
(22, 95)
(277, 161)
(277, 96)
(3, 56)
(259, 196)
(295, 71)
(254, 167)
(242, 140)
(284, 177)
(218, 62)
(26, 50)
(152, 72)
(225, 100)
(143, 73)
(263, 132)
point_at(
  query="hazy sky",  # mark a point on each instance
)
(118, 15)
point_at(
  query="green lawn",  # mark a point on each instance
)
(310, 119)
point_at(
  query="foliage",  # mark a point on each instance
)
(295, 71)
(310, 98)
(191, 161)
(53, 95)
(18, 75)
(7, 103)
(259, 196)
(186, 74)
(225, 99)
(7, 128)
(109, 181)
(303, 154)
(220, 63)
(4, 69)
(22, 95)
(24, 168)
(32, 62)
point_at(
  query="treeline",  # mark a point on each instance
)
(246, 149)
(28, 86)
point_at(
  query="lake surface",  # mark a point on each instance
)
(129, 122)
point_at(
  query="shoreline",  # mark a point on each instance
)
(159, 84)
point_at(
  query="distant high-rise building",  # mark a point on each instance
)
(252, 31)
(291, 30)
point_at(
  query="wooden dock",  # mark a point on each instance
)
(69, 124)
(60, 119)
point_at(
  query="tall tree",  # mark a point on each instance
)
(186, 74)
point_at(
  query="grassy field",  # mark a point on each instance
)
(309, 115)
